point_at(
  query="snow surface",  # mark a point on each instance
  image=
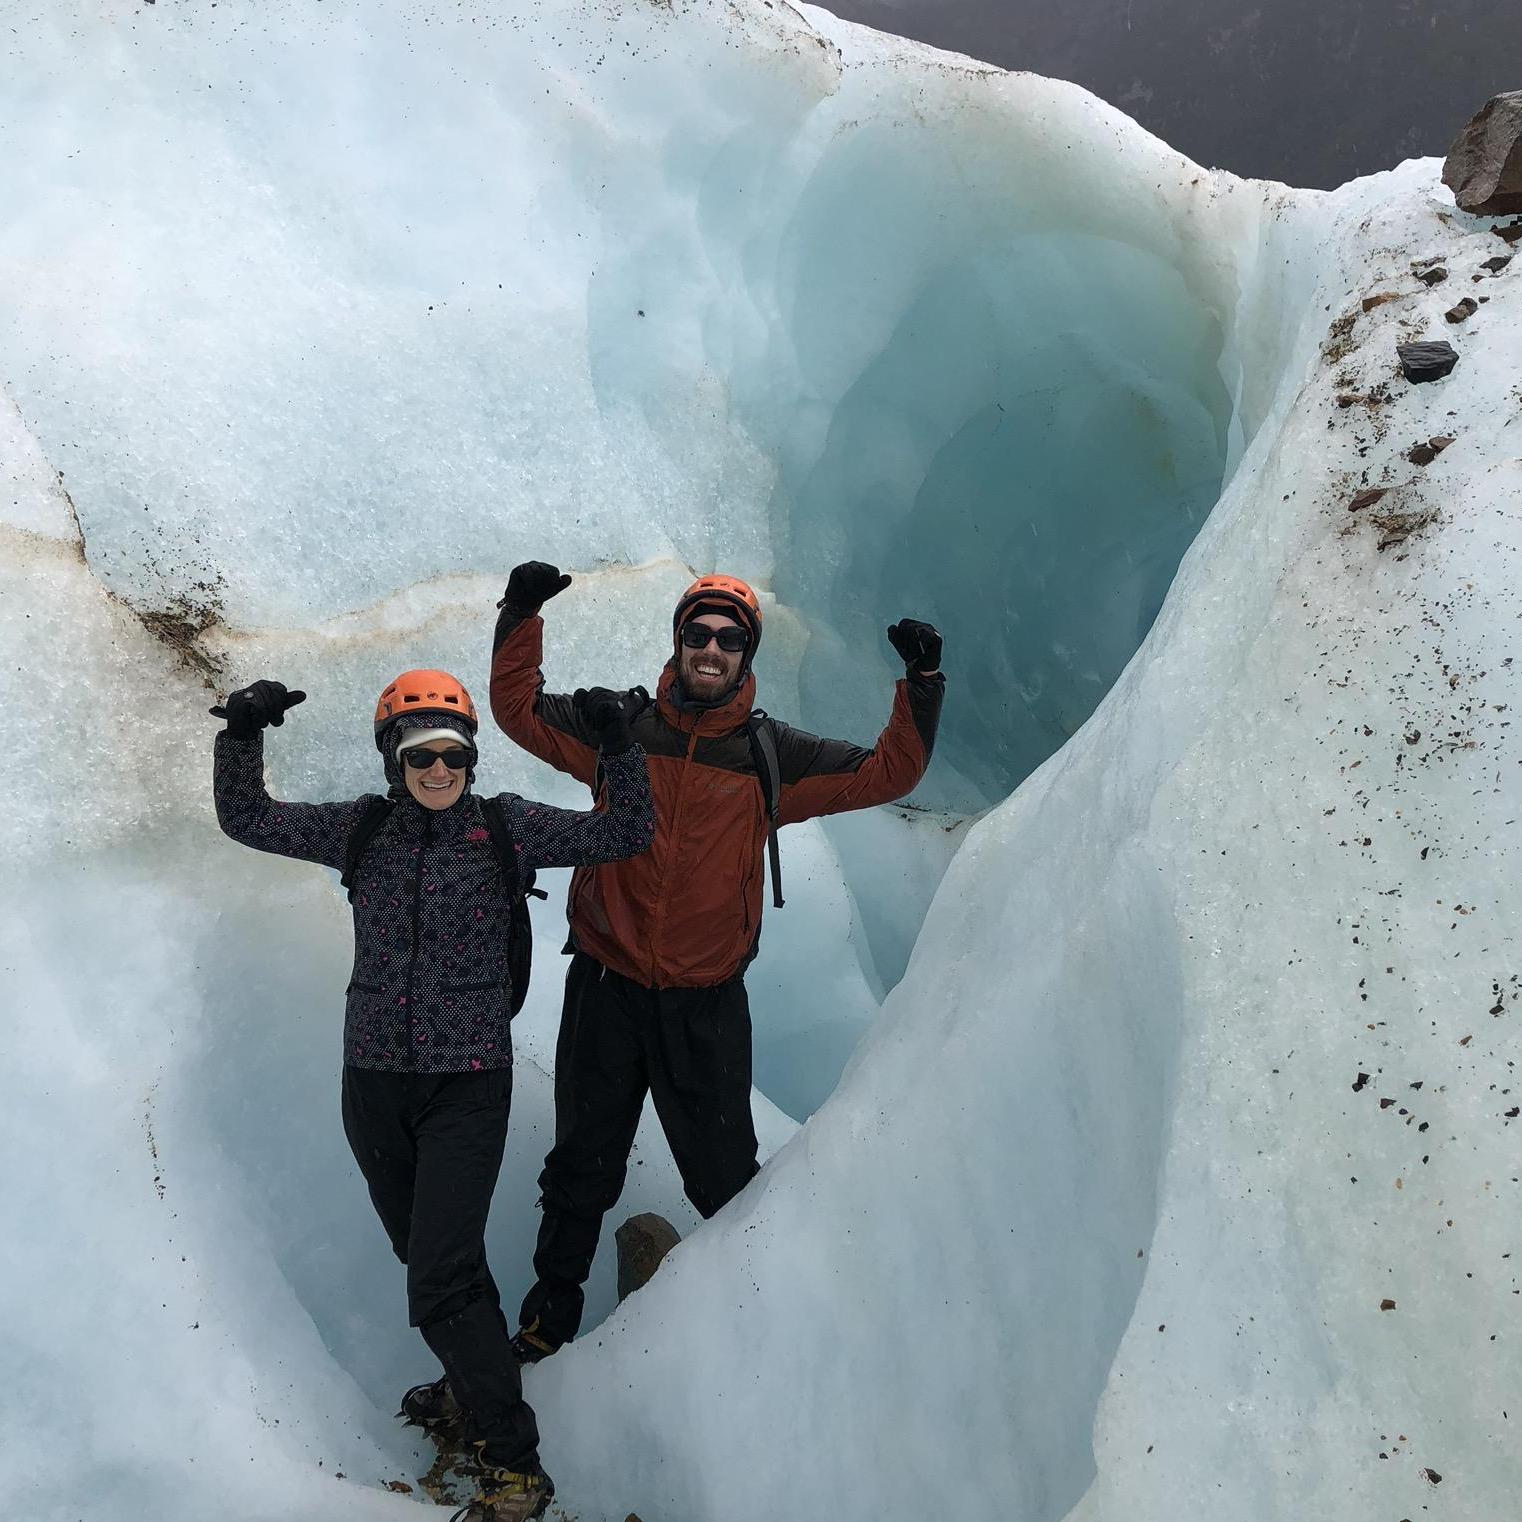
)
(319, 320)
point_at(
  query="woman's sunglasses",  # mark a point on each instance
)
(730, 638)
(456, 758)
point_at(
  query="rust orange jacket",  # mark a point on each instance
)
(687, 912)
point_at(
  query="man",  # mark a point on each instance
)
(655, 996)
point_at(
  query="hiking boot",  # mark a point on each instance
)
(507, 1495)
(528, 1346)
(431, 1407)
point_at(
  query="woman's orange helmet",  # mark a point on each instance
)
(424, 692)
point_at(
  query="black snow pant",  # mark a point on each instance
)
(689, 1048)
(430, 1147)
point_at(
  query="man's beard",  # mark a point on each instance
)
(713, 695)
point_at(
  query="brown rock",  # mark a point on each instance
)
(643, 1242)
(1425, 454)
(1484, 166)
(1436, 275)
(1463, 311)
(1499, 263)
(1370, 302)
(1367, 498)
(1511, 234)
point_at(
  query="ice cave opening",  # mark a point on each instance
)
(1022, 457)
(1026, 459)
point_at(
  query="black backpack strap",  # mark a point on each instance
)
(763, 749)
(495, 815)
(374, 816)
(520, 928)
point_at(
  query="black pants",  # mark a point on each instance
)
(690, 1049)
(430, 1148)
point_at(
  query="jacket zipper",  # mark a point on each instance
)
(417, 936)
(674, 836)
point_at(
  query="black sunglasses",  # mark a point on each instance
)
(730, 637)
(456, 758)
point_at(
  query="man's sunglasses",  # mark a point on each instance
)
(456, 758)
(730, 637)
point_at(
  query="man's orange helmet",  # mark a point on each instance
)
(728, 593)
(424, 692)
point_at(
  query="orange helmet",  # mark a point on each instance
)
(731, 593)
(424, 692)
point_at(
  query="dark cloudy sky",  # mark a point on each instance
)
(1309, 91)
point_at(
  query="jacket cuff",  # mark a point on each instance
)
(617, 744)
(253, 737)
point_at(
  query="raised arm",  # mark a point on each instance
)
(551, 837)
(545, 724)
(306, 831)
(821, 776)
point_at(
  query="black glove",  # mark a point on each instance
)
(249, 709)
(607, 714)
(918, 645)
(531, 585)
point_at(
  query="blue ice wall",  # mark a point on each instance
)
(1023, 461)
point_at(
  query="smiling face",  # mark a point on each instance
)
(435, 786)
(709, 673)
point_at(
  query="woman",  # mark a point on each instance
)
(427, 1056)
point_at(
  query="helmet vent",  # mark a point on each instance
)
(418, 691)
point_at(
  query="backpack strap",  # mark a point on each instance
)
(503, 843)
(520, 928)
(375, 815)
(763, 750)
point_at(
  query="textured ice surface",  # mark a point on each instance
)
(318, 321)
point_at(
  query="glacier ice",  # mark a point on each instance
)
(317, 322)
